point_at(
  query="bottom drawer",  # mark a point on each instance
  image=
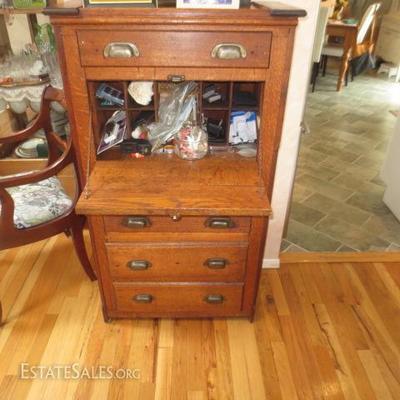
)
(211, 299)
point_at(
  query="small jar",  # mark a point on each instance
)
(191, 143)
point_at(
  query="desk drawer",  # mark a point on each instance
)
(162, 228)
(156, 299)
(174, 49)
(217, 262)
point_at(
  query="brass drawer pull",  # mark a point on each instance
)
(121, 50)
(136, 222)
(228, 51)
(143, 298)
(139, 265)
(214, 299)
(216, 263)
(220, 223)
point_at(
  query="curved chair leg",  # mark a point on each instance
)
(324, 65)
(79, 244)
(1, 314)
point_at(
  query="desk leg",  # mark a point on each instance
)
(342, 72)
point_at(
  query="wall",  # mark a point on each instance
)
(288, 151)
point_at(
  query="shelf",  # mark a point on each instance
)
(220, 184)
(216, 107)
(106, 108)
(214, 112)
(143, 108)
(244, 108)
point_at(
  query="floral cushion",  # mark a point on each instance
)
(39, 202)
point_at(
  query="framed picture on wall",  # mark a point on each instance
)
(208, 4)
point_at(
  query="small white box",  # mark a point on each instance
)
(233, 4)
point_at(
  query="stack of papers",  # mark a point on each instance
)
(243, 127)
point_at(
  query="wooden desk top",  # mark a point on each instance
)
(216, 185)
(272, 9)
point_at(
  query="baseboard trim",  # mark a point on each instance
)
(271, 263)
(304, 257)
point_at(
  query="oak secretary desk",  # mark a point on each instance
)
(173, 238)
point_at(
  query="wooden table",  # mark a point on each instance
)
(349, 33)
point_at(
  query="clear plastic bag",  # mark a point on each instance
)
(176, 108)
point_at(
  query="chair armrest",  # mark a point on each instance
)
(36, 176)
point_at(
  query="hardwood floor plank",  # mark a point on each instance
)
(286, 381)
(307, 271)
(196, 395)
(321, 331)
(392, 286)
(245, 363)
(261, 326)
(350, 341)
(380, 297)
(372, 321)
(166, 334)
(222, 374)
(16, 270)
(374, 374)
(381, 341)
(163, 382)
(343, 370)
(7, 387)
(350, 294)
(394, 271)
(294, 335)
(279, 296)
(391, 382)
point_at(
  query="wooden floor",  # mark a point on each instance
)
(322, 331)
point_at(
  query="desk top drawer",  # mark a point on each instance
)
(175, 299)
(174, 49)
(161, 228)
(218, 262)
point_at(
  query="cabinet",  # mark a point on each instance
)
(174, 238)
(388, 44)
(390, 173)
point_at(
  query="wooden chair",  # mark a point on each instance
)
(363, 41)
(319, 40)
(34, 205)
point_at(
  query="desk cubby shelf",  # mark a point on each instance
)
(218, 111)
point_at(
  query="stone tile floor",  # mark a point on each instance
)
(337, 200)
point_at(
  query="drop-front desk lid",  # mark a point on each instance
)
(158, 185)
